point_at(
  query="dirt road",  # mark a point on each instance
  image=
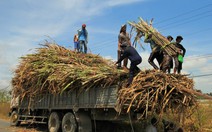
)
(5, 127)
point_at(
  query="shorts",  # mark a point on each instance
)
(76, 45)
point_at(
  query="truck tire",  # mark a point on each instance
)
(69, 123)
(14, 119)
(54, 122)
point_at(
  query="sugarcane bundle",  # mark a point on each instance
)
(142, 27)
(53, 69)
(154, 91)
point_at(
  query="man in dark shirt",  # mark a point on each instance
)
(131, 53)
(178, 64)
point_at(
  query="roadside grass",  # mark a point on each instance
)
(201, 120)
(198, 119)
(4, 110)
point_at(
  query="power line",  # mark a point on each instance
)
(183, 14)
(102, 41)
(203, 75)
(200, 31)
(188, 21)
(105, 45)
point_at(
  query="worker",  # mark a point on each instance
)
(76, 43)
(180, 54)
(156, 53)
(152, 126)
(167, 63)
(131, 53)
(83, 38)
(123, 38)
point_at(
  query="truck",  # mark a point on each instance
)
(72, 111)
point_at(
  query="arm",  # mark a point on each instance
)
(125, 54)
(129, 42)
(86, 39)
(184, 51)
(75, 37)
(79, 33)
(119, 43)
(147, 39)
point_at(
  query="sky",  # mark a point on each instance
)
(25, 24)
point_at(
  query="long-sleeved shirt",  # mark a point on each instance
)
(131, 54)
(152, 43)
(83, 35)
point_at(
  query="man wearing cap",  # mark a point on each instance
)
(134, 57)
(123, 38)
(155, 54)
(83, 38)
(178, 63)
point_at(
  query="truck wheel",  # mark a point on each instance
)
(54, 122)
(14, 119)
(69, 123)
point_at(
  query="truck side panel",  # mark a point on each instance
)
(92, 98)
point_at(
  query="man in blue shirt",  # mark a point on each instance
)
(130, 53)
(83, 38)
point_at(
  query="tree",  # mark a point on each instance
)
(4, 96)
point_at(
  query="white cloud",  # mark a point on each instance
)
(121, 2)
(109, 58)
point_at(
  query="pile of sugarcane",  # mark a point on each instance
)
(153, 92)
(54, 69)
(142, 27)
